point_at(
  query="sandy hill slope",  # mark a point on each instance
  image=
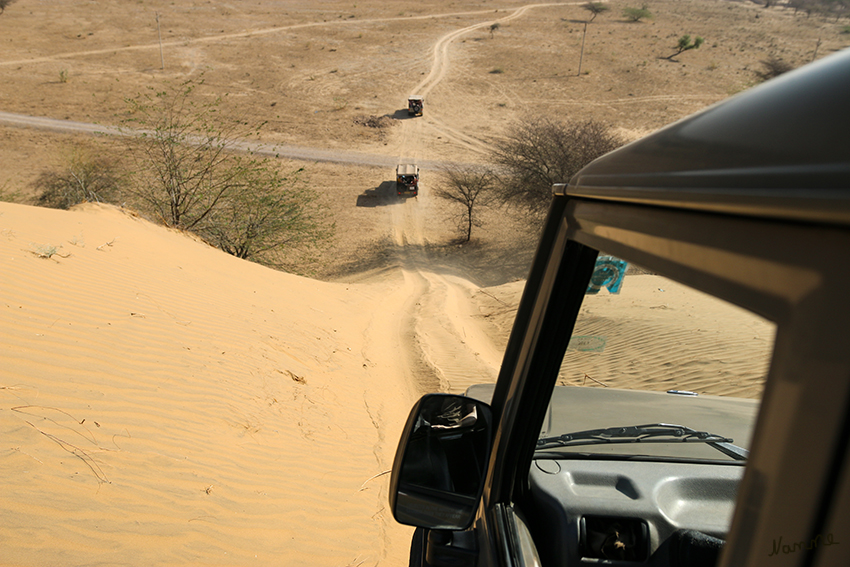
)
(164, 403)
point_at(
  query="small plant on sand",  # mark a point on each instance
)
(47, 251)
(637, 14)
(493, 28)
(63, 76)
(685, 44)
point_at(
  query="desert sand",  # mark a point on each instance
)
(163, 403)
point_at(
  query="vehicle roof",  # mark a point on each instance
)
(406, 169)
(779, 150)
(415, 97)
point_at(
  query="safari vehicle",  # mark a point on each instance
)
(407, 179)
(747, 202)
(415, 103)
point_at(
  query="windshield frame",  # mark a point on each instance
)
(705, 251)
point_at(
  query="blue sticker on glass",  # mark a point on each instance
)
(608, 273)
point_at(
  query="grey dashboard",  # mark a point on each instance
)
(598, 511)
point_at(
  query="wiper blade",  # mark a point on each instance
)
(649, 433)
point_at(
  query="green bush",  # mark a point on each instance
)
(637, 14)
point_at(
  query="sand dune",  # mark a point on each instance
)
(164, 403)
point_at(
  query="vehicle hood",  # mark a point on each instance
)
(575, 408)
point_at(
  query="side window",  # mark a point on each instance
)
(647, 433)
(642, 332)
(646, 332)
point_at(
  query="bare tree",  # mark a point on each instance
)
(540, 151)
(3, 4)
(88, 176)
(191, 175)
(185, 162)
(467, 185)
(595, 8)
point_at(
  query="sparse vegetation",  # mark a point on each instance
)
(468, 186)
(185, 163)
(47, 251)
(269, 214)
(89, 176)
(493, 27)
(826, 8)
(190, 175)
(63, 76)
(685, 44)
(637, 14)
(3, 4)
(540, 151)
(772, 67)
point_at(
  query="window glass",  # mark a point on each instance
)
(648, 351)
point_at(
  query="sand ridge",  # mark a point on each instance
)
(147, 414)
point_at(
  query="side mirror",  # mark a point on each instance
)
(439, 468)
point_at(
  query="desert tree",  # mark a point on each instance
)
(471, 187)
(3, 4)
(88, 175)
(540, 151)
(685, 44)
(191, 172)
(595, 8)
(493, 28)
(267, 215)
(637, 14)
(185, 154)
(772, 67)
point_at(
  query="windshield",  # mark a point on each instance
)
(648, 353)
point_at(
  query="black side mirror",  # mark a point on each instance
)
(439, 468)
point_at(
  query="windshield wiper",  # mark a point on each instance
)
(649, 433)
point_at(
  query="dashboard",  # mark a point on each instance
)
(629, 511)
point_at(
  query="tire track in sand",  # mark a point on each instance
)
(448, 350)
